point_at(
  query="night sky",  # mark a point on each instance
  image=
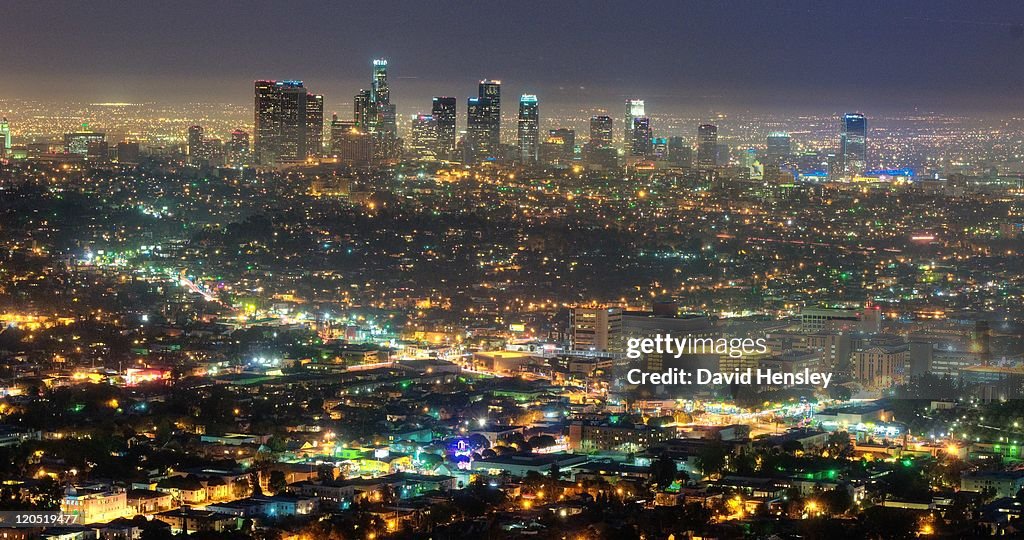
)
(788, 55)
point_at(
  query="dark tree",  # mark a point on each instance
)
(277, 481)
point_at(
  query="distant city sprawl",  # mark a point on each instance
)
(261, 322)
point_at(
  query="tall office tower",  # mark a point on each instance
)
(559, 148)
(568, 142)
(529, 128)
(491, 90)
(853, 144)
(375, 114)
(641, 139)
(424, 137)
(238, 149)
(194, 144)
(722, 154)
(380, 92)
(443, 111)
(5, 137)
(362, 111)
(380, 95)
(778, 147)
(213, 149)
(485, 133)
(314, 125)
(679, 152)
(601, 131)
(600, 152)
(286, 123)
(338, 129)
(482, 130)
(707, 146)
(634, 109)
(350, 144)
(477, 141)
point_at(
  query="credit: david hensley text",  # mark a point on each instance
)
(750, 377)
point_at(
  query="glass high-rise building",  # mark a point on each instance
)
(375, 114)
(194, 144)
(601, 131)
(340, 128)
(634, 109)
(568, 138)
(314, 125)
(443, 111)
(380, 95)
(362, 112)
(238, 148)
(641, 145)
(380, 92)
(491, 90)
(600, 151)
(679, 152)
(5, 137)
(707, 146)
(424, 137)
(779, 147)
(529, 128)
(490, 93)
(288, 122)
(477, 147)
(483, 124)
(853, 144)
(351, 144)
(559, 147)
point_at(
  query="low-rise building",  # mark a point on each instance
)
(189, 520)
(146, 501)
(521, 465)
(1000, 483)
(591, 436)
(94, 505)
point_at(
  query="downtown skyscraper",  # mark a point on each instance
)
(601, 131)
(483, 123)
(375, 114)
(641, 137)
(380, 96)
(634, 109)
(779, 146)
(361, 111)
(600, 151)
(238, 151)
(423, 144)
(5, 137)
(707, 146)
(443, 111)
(288, 122)
(529, 128)
(853, 144)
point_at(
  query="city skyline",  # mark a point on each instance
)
(523, 271)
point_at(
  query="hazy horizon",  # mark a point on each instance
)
(771, 56)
